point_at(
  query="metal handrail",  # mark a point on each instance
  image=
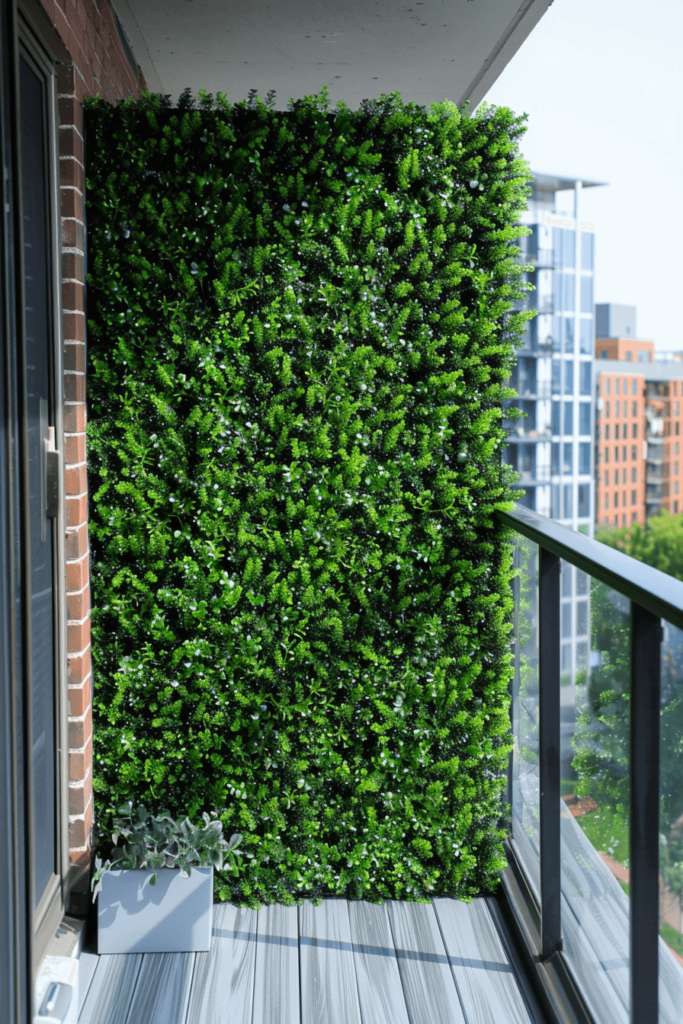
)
(652, 589)
(653, 595)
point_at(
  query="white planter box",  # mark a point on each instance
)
(173, 916)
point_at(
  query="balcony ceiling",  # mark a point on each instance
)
(429, 50)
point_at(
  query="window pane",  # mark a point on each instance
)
(671, 828)
(568, 501)
(36, 236)
(584, 457)
(524, 781)
(586, 345)
(568, 418)
(587, 250)
(568, 377)
(586, 294)
(584, 418)
(583, 497)
(585, 375)
(595, 809)
(557, 376)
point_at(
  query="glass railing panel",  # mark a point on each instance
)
(524, 775)
(595, 757)
(671, 830)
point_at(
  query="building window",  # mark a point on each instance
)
(568, 459)
(675, 469)
(616, 431)
(583, 498)
(676, 452)
(585, 378)
(607, 432)
(629, 357)
(624, 453)
(566, 578)
(678, 427)
(581, 618)
(586, 337)
(587, 250)
(606, 459)
(634, 430)
(566, 620)
(555, 497)
(634, 409)
(604, 355)
(555, 458)
(607, 409)
(585, 418)
(634, 516)
(633, 497)
(623, 478)
(616, 477)
(584, 457)
(556, 418)
(568, 377)
(617, 389)
(607, 381)
(569, 418)
(675, 486)
(606, 478)
(634, 475)
(557, 377)
(586, 294)
(633, 387)
(568, 501)
(616, 454)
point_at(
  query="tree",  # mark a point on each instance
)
(659, 543)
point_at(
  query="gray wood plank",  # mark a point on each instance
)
(483, 975)
(223, 982)
(111, 990)
(276, 986)
(87, 965)
(329, 994)
(380, 991)
(428, 985)
(163, 989)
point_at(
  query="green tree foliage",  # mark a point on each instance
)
(659, 543)
(300, 328)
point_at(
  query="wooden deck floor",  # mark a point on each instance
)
(337, 963)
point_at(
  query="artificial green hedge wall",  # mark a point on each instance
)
(300, 326)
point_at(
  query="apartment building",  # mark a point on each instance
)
(638, 433)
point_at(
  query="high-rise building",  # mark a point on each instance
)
(551, 447)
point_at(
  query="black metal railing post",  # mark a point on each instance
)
(549, 749)
(646, 635)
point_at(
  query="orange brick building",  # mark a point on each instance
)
(638, 433)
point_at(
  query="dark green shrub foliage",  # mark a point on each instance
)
(300, 331)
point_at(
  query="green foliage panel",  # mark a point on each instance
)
(300, 328)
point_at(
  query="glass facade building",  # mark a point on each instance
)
(551, 447)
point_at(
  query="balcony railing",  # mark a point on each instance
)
(589, 772)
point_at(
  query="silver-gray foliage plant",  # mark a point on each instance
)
(158, 841)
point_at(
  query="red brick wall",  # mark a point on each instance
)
(99, 65)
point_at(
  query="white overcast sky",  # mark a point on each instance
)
(602, 83)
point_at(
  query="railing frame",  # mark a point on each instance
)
(654, 596)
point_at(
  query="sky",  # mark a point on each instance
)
(602, 83)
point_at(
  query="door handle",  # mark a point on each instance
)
(51, 469)
(52, 474)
